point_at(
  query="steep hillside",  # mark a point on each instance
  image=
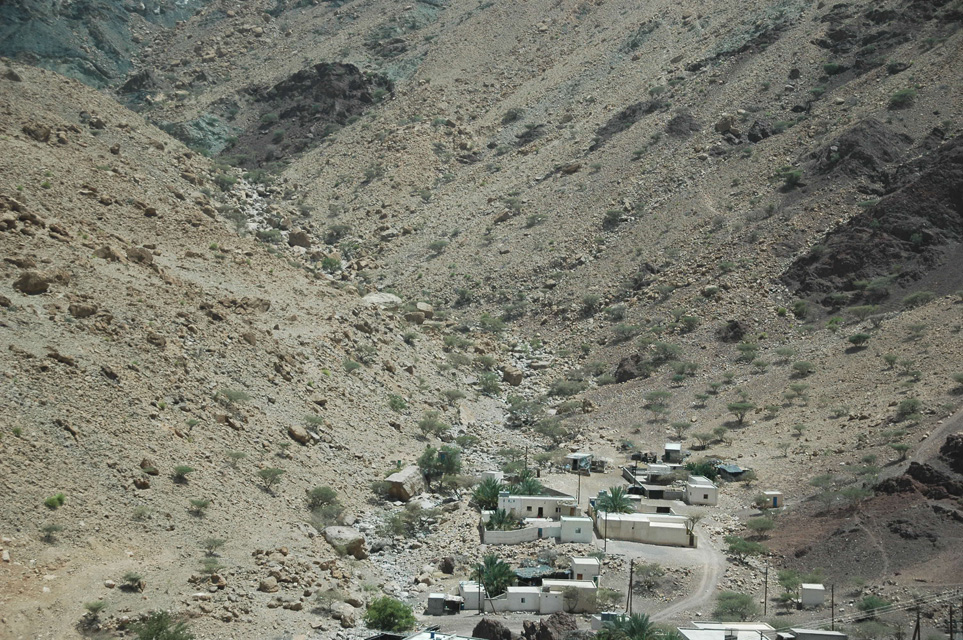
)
(737, 223)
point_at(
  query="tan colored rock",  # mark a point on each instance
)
(299, 434)
(346, 540)
(512, 376)
(426, 309)
(32, 283)
(108, 253)
(406, 484)
(268, 585)
(82, 310)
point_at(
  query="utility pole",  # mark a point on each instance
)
(951, 623)
(605, 534)
(631, 576)
(765, 598)
(832, 603)
(916, 629)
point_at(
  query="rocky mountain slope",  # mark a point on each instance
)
(721, 204)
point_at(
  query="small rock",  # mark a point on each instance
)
(268, 585)
(299, 434)
(110, 584)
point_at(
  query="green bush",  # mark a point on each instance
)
(160, 626)
(918, 298)
(566, 388)
(902, 99)
(859, 339)
(55, 501)
(397, 403)
(180, 473)
(270, 476)
(732, 606)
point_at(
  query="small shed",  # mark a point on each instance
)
(579, 461)
(498, 476)
(774, 499)
(730, 471)
(436, 604)
(673, 452)
(812, 595)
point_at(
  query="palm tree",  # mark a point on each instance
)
(526, 485)
(501, 520)
(616, 500)
(486, 494)
(494, 574)
(634, 627)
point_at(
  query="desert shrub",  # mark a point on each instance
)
(803, 368)
(199, 506)
(160, 626)
(871, 604)
(55, 501)
(553, 429)
(732, 606)
(834, 68)
(902, 98)
(489, 383)
(211, 545)
(232, 396)
(614, 313)
(791, 178)
(270, 476)
(622, 332)
(436, 247)
(397, 403)
(907, 407)
(566, 388)
(859, 339)
(918, 299)
(350, 365)
(431, 424)
(180, 472)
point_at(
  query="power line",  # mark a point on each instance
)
(902, 606)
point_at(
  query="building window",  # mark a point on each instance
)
(705, 496)
(528, 508)
(523, 600)
(578, 530)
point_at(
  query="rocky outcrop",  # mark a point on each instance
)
(489, 629)
(952, 452)
(346, 540)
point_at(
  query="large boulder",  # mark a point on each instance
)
(489, 629)
(952, 452)
(345, 613)
(32, 283)
(346, 540)
(406, 484)
(555, 627)
(384, 300)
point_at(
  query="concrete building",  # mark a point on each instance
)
(565, 529)
(498, 476)
(586, 568)
(545, 506)
(579, 461)
(472, 593)
(812, 595)
(811, 634)
(700, 490)
(585, 601)
(727, 631)
(673, 452)
(649, 528)
(774, 499)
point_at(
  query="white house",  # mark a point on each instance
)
(565, 529)
(810, 634)
(700, 490)
(472, 592)
(726, 631)
(586, 591)
(553, 507)
(650, 528)
(812, 595)
(523, 598)
(586, 568)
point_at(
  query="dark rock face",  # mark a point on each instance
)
(731, 332)
(952, 452)
(683, 125)
(557, 626)
(632, 367)
(489, 629)
(624, 120)
(863, 152)
(918, 225)
(304, 108)
(89, 40)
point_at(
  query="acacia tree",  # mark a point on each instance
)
(740, 409)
